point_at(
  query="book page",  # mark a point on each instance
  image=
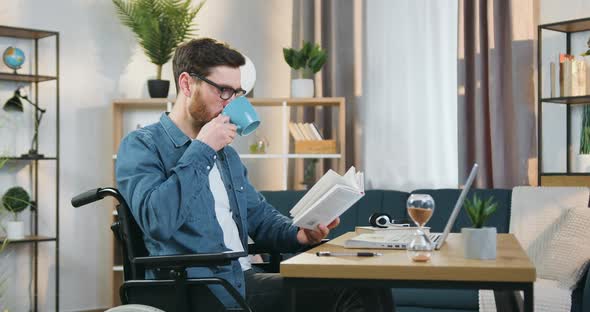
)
(323, 185)
(327, 208)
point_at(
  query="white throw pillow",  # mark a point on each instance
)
(562, 251)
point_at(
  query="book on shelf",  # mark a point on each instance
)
(294, 130)
(305, 131)
(330, 197)
(315, 131)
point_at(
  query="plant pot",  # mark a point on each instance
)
(582, 163)
(302, 88)
(479, 243)
(15, 230)
(158, 88)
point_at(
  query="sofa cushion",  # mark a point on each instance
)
(436, 298)
(561, 252)
(445, 200)
(283, 201)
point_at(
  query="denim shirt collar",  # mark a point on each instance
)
(173, 132)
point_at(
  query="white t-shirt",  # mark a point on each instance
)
(231, 235)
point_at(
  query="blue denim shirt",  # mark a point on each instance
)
(164, 177)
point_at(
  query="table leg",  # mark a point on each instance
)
(529, 305)
(292, 299)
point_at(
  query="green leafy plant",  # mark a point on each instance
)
(160, 25)
(587, 53)
(309, 172)
(585, 131)
(479, 211)
(15, 200)
(309, 59)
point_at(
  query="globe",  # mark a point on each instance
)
(13, 57)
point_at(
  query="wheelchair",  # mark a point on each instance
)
(175, 293)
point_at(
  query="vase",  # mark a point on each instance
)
(582, 163)
(15, 230)
(479, 243)
(158, 88)
(302, 88)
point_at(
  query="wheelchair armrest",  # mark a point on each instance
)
(190, 260)
(254, 249)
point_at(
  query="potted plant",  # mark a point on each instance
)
(15, 200)
(309, 173)
(306, 62)
(583, 158)
(480, 241)
(160, 25)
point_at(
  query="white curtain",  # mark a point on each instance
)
(409, 94)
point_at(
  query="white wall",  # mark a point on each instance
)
(554, 116)
(100, 61)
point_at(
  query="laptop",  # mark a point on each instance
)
(400, 239)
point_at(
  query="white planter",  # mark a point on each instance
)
(479, 243)
(582, 163)
(302, 88)
(15, 230)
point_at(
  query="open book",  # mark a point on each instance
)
(330, 197)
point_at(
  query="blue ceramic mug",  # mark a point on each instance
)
(242, 114)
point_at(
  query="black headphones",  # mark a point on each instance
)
(384, 220)
(380, 220)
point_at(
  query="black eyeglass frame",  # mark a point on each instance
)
(222, 90)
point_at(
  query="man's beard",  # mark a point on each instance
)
(199, 114)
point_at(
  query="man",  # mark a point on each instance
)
(188, 190)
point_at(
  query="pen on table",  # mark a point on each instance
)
(347, 254)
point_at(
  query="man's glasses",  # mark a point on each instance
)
(225, 93)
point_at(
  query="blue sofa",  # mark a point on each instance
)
(394, 203)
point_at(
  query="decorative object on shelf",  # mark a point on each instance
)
(309, 173)
(13, 58)
(572, 75)
(480, 241)
(14, 104)
(583, 157)
(307, 61)
(259, 145)
(587, 53)
(248, 76)
(159, 26)
(15, 200)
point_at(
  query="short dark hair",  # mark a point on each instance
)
(200, 55)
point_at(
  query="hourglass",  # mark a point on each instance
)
(420, 209)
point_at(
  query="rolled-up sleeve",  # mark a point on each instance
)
(160, 201)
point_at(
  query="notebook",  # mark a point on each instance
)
(401, 239)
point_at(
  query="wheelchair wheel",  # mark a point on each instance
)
(134, 308)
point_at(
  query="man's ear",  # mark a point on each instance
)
(184, 81)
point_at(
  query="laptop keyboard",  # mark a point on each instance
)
(407, 237)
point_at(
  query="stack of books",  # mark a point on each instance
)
(304, 131)
(308, 139)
